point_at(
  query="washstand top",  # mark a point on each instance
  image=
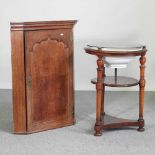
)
(116, 49)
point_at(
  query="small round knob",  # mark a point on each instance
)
(61, 34)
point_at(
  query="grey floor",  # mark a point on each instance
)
(79, 139)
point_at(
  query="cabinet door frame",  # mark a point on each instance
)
(44, 125)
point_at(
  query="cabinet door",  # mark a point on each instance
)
(49, 79)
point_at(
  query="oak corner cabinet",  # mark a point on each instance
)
(42, 71)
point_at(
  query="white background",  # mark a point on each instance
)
(99, 20)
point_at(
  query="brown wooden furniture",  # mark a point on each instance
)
(104, 121)
(42, 66)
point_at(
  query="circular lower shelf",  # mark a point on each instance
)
(120, 81)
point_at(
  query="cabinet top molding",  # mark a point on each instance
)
(42, 25)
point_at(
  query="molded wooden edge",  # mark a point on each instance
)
(98, 52)
(38, 25)
(120, 125)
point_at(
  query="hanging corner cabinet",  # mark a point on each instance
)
(42, 71)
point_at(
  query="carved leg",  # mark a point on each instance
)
(99, 91)
(141, 93)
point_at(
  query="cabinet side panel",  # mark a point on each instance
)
(18, 82)
(71, 76)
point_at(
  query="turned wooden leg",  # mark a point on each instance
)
(141, 93)
(103, 96)
(102, 106)
(99, 97)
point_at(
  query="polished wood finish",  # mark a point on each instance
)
(103, 93)
(141, 92)
(43, 90)
(99, 99)
(121, 81)
(99, 52)
(104, 121)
